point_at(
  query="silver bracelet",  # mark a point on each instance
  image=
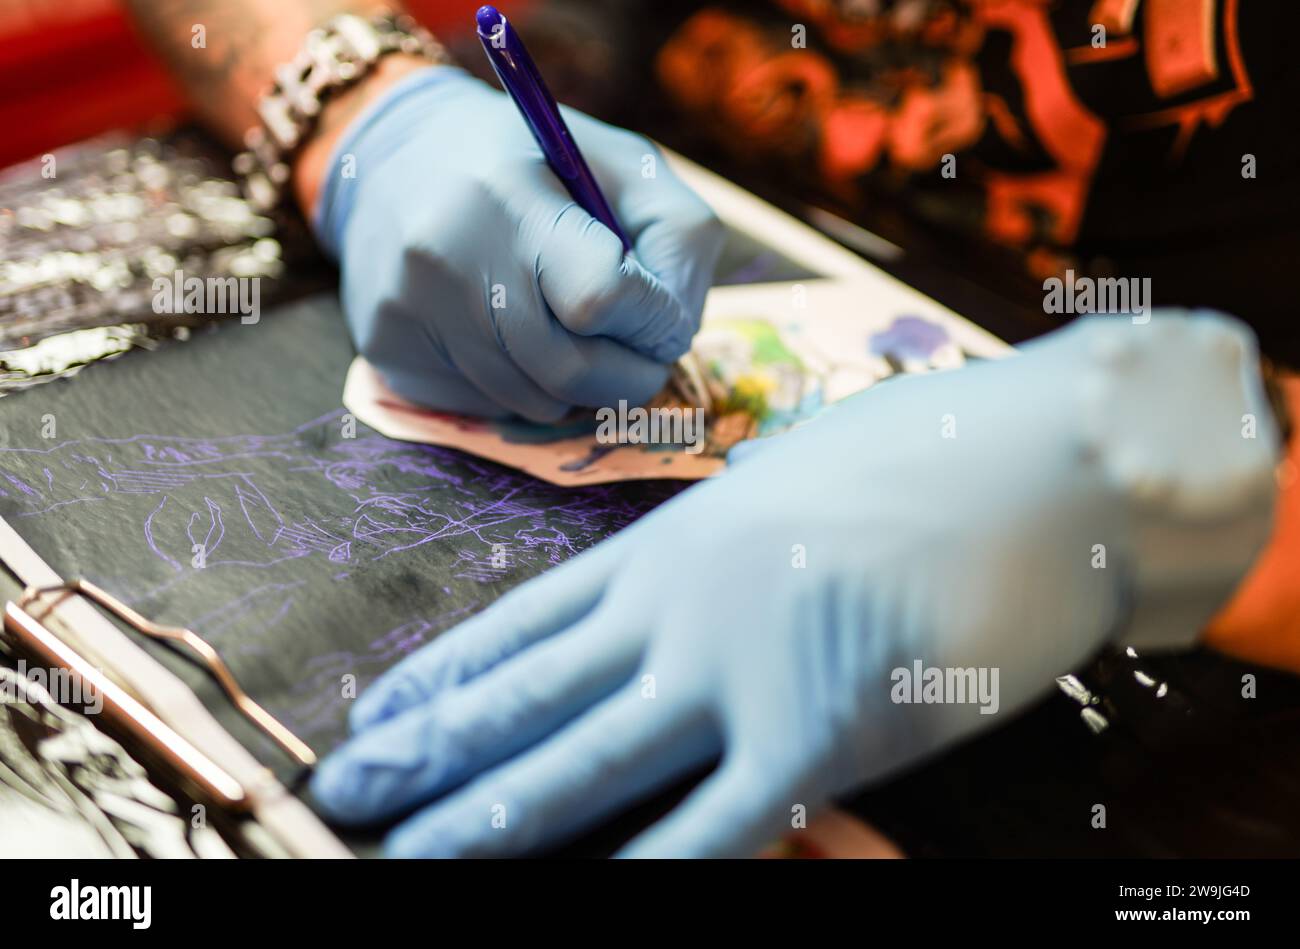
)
(333, 57)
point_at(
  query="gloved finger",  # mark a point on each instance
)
(540, 608)
(514, 331)
(474, 348)
(735, 812)
(432, 748)
(396, 337)
(449, 391)
(594, 289)
(582, 370)
(490, 369)
(397, 342)
(674, 232)
(616, 754)
(681, 247)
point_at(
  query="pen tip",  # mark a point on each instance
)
(489, 18)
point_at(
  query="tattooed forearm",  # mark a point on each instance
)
(223, 52)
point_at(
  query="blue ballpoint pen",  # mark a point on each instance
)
(519, 75)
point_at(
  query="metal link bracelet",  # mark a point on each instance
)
(333, 57)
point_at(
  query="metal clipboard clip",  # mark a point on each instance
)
(128, 714)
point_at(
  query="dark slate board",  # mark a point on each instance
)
(326, 556)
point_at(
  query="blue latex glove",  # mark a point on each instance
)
(472, 280)
(694, 635)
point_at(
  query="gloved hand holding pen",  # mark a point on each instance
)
(472, 278)
(475, 283)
